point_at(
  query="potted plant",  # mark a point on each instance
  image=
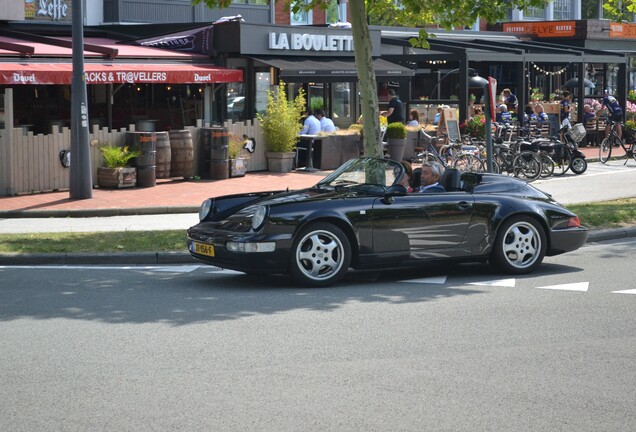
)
(281, 126)
(236, 155)
(395, 136)
(116, 173)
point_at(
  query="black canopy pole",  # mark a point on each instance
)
(81, 185)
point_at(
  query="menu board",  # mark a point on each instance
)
(449, 125)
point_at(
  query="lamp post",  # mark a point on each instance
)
(81, 184)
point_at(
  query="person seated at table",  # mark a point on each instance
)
(326, 124)
(588, 113)
(540, 114)
(415, 118)
(431, 173)
(503, 115)
(440, 108)
(529, 115)
(311, 125)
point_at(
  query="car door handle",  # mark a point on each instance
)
(463, 205)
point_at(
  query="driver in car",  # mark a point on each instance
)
(431, 173)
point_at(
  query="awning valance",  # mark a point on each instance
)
(117, 73)
(293, 69)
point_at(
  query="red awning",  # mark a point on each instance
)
(117, 73)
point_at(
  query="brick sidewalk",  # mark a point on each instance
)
(170, 194)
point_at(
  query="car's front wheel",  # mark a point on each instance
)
(520, 245)
(321, 255)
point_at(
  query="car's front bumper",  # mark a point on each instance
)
(566, 240)
(274, 261)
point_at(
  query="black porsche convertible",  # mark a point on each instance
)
(360, 217)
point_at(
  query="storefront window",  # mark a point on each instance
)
(263, 80)
(301, 18)
(236, 101)
(253, 2)
(534, 12)
(563, 9)
(331, 15)
(342, 102)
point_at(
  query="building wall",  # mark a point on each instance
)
(12, 10)
(178, 11)
(94, 12)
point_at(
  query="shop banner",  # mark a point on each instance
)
(62, 73)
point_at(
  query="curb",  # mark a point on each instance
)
(81, 213)
(154, 258)
(132, 258)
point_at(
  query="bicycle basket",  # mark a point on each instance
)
(577, 133)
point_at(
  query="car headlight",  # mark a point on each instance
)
(259, 217)
(205, 208)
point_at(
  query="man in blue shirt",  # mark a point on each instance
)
(565, 108)
(615, 114)
(326, 124)
(431, 172)
(503, 115)
(311, 126)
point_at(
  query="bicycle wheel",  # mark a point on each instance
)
(562, 163)
(527, 166)
(503, 167)
(466, 162)
(547, 166)
(605, 149)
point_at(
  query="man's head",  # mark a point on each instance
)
(391, 92)
(319, 113)
(431, 172)
(506, 92)
(587, 108)
(566, 94)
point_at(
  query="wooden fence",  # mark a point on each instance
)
(30, 163)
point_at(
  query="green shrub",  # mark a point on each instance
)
(281, 120)
(117, 157)
(395, 130)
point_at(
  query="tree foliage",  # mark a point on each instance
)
(447, 14)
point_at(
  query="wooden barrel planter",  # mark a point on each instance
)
(181, 153)
(146, 143)
(164, 155)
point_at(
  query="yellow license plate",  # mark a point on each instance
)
(203, 249)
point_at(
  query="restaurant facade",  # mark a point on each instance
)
(174, 76)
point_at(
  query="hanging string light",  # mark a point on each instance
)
(546, 72)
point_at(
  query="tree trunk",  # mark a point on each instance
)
(366, 79)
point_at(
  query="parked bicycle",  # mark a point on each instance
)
(612, 140)
(453, 154)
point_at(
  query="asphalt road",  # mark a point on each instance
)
(439, 349)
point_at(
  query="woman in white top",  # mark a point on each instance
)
(415, 118)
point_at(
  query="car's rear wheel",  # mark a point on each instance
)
(520, 245)
(321, 255)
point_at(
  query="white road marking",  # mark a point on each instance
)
(437, 280)
(225, 271)
(579, 286)
(177, 269)
(630, 291)
(498, 282)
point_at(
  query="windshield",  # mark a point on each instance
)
(365, 171)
